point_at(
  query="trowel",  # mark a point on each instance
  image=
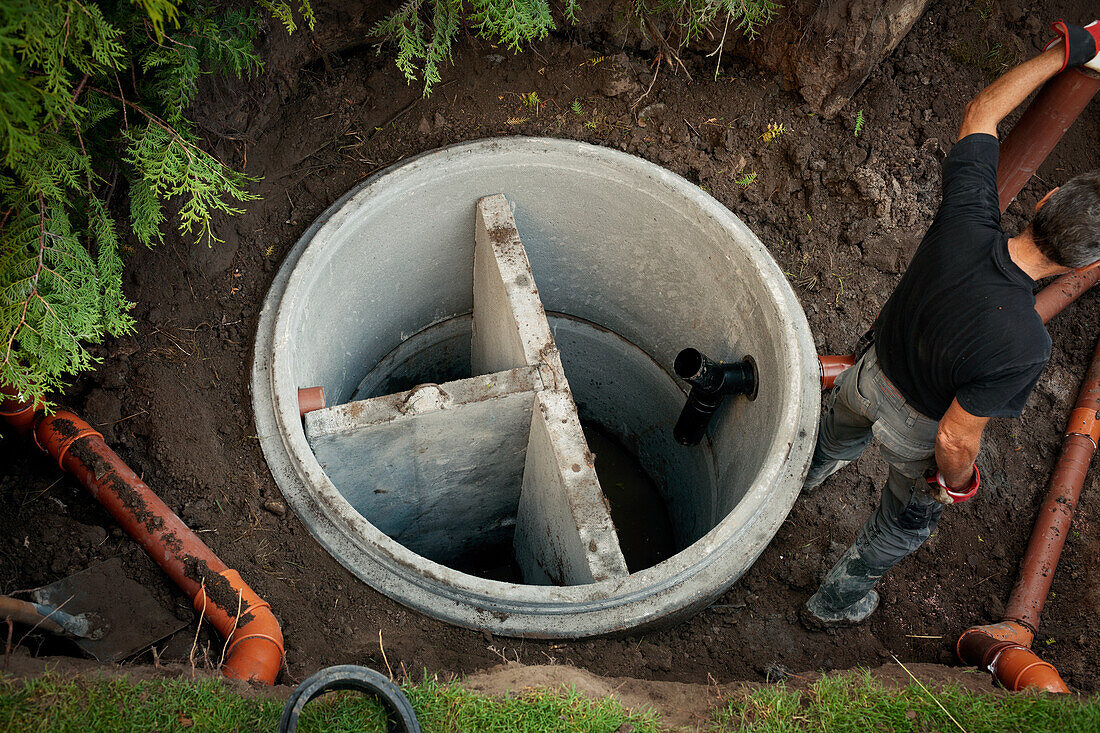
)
(107, 614)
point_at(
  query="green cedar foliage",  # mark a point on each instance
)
(424, 30)
(692, 19)
(93, 104)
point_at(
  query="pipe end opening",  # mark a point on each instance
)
(688, 363)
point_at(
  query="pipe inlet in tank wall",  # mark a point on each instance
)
(498, 450)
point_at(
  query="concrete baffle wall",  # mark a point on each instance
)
(499, 458)
(510, 326)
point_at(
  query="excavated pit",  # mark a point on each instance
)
(498, 450)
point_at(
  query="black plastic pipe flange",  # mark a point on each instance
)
(351, 677)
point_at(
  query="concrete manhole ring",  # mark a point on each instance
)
(632, 263)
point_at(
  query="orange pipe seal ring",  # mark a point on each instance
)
(60, 441)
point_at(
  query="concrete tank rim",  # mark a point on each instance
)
(760, 512)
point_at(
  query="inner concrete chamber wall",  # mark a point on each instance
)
(633, 263)
(623, 260)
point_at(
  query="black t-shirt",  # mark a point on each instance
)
(962, 321)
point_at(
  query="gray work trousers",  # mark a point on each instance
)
(864, 404)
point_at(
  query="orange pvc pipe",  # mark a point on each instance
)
(1063, 491)
(1003, 648)
(1040, 128)
(1053, 299)
(254, 640)
(310, 399)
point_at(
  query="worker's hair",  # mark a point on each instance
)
(1067, 227)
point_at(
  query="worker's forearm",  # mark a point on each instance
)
(993, 103)
(955, 462)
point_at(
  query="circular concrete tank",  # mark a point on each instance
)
(632, 263)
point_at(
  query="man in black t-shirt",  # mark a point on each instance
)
(957, 343)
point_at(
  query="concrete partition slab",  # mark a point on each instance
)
(564, 533)
(438, 467)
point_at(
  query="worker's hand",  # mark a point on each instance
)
(1080, 44)
(945, 494)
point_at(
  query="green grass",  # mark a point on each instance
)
(855, 703)
(843, 703)
(94, 704)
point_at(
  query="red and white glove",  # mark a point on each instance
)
(1080, 43)
(944, 494)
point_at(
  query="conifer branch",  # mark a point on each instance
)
(423, 31)
(34, 282)
(64, 121)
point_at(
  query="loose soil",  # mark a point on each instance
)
(840, 212)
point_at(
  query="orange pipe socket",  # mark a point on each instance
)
(16, 412)
(310, 399)
(254, 639)
(1041, 127)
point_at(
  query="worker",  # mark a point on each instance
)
(958, 342)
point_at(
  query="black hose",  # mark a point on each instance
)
(402, 718)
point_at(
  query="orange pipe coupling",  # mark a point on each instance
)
(1013, 665)
(832, 366)
(254, 641)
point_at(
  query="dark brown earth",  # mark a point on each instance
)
(840, 213)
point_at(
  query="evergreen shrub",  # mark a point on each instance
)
(424, 30)
(94, 96)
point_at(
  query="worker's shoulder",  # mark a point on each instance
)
(1008, 324)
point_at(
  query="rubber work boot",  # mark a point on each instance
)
(846, 596)
(818, 616)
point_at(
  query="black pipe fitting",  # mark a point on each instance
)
(710, 383)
